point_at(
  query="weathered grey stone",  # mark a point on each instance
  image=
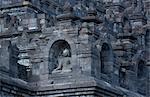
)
(74, 48)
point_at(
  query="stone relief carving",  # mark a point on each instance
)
(116, 27)
(63, 62)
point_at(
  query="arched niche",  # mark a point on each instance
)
(55, 52)
(147, 38)
(126, 25)
(141, 70)
(141, 77)
(106, 58)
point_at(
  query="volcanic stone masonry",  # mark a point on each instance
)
(74, 48)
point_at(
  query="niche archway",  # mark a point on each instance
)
(56, 50)
(106, 58)
(141, 70)
(126, 25)
(147, 38)
(141, 77)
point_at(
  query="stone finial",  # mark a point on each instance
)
(135, 10)
(67, 8)
(92, 10)
(139, 8)
(68, 13)
(109, 15)
(80, 9)
(91, 14)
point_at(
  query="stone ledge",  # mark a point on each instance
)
(15, 34)
(78, 87)
(14, 86)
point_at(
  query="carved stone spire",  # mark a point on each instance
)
(92, 10)
(139, 8)
(91, 14)
(67, 8)
(67, 12)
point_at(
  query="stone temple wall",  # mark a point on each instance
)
(74, 48)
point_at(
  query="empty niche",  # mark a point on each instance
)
(141, 77)
(147, 38)
(106, 58)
